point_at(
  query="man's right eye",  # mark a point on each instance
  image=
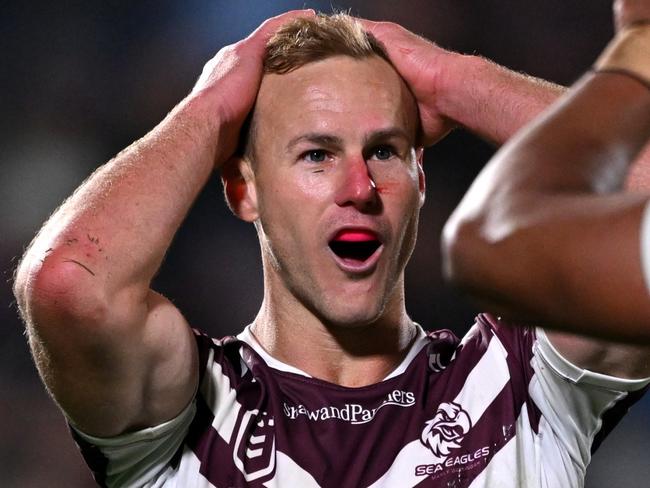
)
(315, 155)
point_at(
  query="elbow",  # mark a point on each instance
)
(54, 289)
(463, 246)
(492, 257)
(475, 247)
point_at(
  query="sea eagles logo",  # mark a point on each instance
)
(446, 430)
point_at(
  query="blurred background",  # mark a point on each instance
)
(80, 80)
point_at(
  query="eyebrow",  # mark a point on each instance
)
(325, 139)
(384, 134)
(318, 138)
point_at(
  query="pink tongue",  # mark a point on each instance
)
(355, 236)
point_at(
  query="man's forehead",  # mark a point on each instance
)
(333, 72)
(336, 87)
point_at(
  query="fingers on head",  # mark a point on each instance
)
(269, 26)
(384, 31)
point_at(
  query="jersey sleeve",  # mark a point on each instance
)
(144, 458)
(137, 458)
(567, 410)
(578, 407)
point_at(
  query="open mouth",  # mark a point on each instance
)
(355, 246)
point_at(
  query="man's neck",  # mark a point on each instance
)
(350, 355)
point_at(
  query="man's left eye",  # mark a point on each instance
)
(315, 155)
(383, 152)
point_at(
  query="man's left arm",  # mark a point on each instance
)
(494, 103)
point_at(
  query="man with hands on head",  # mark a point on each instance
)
(551, 203)
(332, 384)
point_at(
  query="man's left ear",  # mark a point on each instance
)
(239, 188)
(419, 157)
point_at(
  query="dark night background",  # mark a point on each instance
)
(81, 80)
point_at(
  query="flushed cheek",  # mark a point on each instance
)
(294, 195)
(403, 195)
(403, 207)
(394, 179)
(292, 219)
(313, 185)
(387, 187)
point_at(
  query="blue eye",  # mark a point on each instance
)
(383, 153)
(315, 155)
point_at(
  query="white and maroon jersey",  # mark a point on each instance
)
(501, 408)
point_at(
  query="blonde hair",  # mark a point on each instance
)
(307, 40)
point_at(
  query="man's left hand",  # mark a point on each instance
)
(421, 63)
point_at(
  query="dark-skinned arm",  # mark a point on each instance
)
(495, 103)
(551, 205)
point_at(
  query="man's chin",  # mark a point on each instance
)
(354, 307)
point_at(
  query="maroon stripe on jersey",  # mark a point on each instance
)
(495, 428)
(228, 346)
(215, 453)
(613, 416)
(226, 355)
(199, 437)
(95, 459)
(452, 380)
(441, 348)
(518, 341)
(349, 455)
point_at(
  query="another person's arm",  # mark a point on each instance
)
(495, 103)
(546, 232)
(116, 355)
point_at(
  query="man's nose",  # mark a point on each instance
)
(356, 185)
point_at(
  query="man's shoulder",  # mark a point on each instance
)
(489, 336)
(514, 337)
(220, 358)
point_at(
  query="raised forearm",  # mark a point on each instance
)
(456, 89)
(119, 223)
(585, 144)
(490, 100)
(495, 102)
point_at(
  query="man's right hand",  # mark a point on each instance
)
(233, 78)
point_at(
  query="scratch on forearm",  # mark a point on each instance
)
(82, 265)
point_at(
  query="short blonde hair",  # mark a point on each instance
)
(307, 40)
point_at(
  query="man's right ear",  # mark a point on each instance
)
(239, 188)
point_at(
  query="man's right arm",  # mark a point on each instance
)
(115, 355)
